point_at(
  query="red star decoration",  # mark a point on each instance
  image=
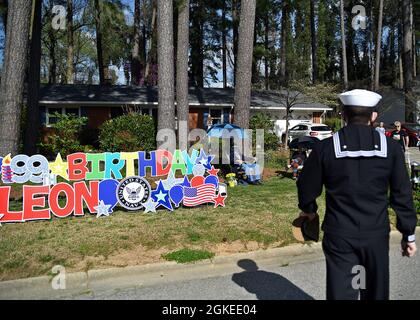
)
(213, 171)
(219, 201)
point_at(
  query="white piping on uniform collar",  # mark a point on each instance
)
(339, 153)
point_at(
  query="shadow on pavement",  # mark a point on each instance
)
(267, 285)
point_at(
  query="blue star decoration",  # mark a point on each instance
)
(205, 160)
(149, 206)
(186, 182)
(102, 209)
(161, 197)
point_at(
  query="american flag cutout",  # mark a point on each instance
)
(200, 195)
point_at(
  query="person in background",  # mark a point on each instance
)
(298, 158)
(209, 122)
(400, 135)
(381, 128)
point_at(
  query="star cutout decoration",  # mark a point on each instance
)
(186, 182)
(161, 197)
(171, 181)
(1, 216)
(102, 209)
(205, 160)
(59, 167)
(149, 206)
(213, 171)
(219, 201)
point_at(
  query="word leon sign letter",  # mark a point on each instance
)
(98, 182)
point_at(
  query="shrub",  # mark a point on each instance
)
(333, 123)
(275, 159)
(128, 133)
(65, 136)
(262, 121)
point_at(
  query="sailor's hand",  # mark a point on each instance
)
(310, 216)
(408, 249)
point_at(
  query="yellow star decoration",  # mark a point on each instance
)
(59, 167)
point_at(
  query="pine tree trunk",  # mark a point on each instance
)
(11, 91)
(224, 45)
(182, 61)
(407, 57)
(343, 47)
(166, 112)
(284, 35)
(136, 56)
(32, 112)
(413, 27)
(99, 50)
(197, 38)
(266, 56)
(70, 43)
(235, 29)
(151, 56)
(314, 44)
(378, 46)
(244, 63)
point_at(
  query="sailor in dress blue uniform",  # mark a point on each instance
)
(359, 167)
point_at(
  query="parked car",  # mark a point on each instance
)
(316, 130)
(412, 130)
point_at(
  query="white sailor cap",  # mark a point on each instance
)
(360, 98)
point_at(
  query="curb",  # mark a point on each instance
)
(88, 283)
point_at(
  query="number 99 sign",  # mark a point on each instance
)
(29, 168)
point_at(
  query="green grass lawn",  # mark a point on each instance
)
(254, 217)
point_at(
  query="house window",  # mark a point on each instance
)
(51, 113)
(216, 116)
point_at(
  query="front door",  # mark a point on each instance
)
(196, 118)
(317, 117)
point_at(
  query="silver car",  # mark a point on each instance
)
(316, 130)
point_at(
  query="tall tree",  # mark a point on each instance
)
(70, 43)
(284, 40)
(314, 43)
(182, 61)
(224, 45)
(343, 47)
(407, 56)
(378, 45)
(166, 112)
(244, 63)
(99, 48)
(197, 41)
(11, 91)
(32, 112)
(151, 56)
(137, 56)
(235, 31)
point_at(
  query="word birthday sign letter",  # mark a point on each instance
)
(99, 182)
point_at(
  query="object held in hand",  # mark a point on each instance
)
(306, 229)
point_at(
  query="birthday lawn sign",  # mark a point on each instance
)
(99, 185)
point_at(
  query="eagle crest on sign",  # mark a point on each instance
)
(133, 193)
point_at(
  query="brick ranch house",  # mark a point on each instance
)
(101, 103)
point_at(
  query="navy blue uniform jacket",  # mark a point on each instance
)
(359, 187)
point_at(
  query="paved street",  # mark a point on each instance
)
(299, 281)
(414, 154)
